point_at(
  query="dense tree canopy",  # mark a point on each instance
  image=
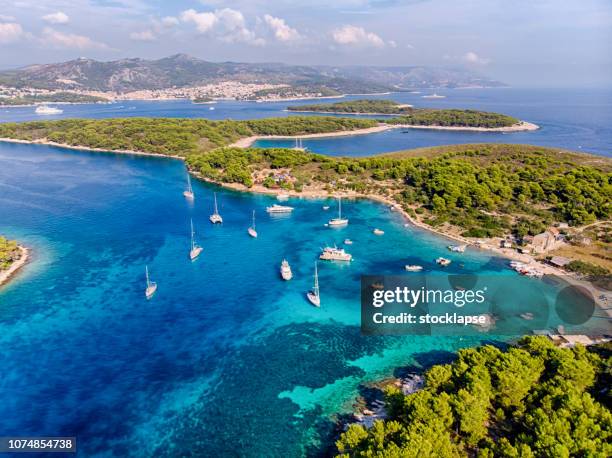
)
(9, 252)
(170, 136)
(487, 189)
(413, 116)
(61, 97)
(533, 400)
(377, 106)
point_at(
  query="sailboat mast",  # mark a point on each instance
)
(189, 183)
(316, 283)
(253, 219)
(147, 273)
(192, 234)
(216, 211)
(339, 207)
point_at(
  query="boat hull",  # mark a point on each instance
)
(313, 299)
(193, 254)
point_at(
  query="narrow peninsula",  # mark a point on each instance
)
(12, 258)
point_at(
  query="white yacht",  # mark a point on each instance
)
(335, 254)
(215, 218)
(433, 96)
(285, 271)
(189, 192)
(457, 248)
(282, 196)
(251, 230)
(47, 110)
(413, 268)
(313, 295)
(151, 285)
(378, 231)
(339, 221)
(348, 242)
(443, 261)
(279, 209)
(195, 248)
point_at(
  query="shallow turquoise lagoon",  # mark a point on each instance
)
(226, 359)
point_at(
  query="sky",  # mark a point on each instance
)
(554, 43)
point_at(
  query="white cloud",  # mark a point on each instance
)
(225, 24)
(56, 18)
(169, 21)
(145, 35)
(203, 21)
(10, 31)
(472, 58)
(281, 30)
(69, 40)
(353, 35)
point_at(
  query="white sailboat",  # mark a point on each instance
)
(195, 248)
(215, 218)
(151, 285)
(189, 192)
(298, 145)
(251, 230)
(339, 221)
(313, 295)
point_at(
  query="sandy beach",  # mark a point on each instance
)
(248, 141)
(7, 274)
(86, 148)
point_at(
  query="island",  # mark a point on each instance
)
(202, 100)
(12, 258)
(533, 399)
(54, 97)
(410, 117)
(521, 201)
(362, 106)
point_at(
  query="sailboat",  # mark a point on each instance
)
(339, 221)
(298, 145)
(151, 285)
(195, 249)
(313, 295)
(216, 217)
(251, 230)
(189, 192)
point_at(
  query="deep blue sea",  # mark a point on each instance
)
(226, 359)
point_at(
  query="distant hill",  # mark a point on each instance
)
(182, 70)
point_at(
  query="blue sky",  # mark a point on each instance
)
(522, 42)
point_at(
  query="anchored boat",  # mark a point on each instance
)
(339, 221)
(313, 295)
(189, 192)
(285, 271)
(251, 230)
(151, 285)
(279, 209)
(215, 218)
(335, 254)
(195, 248)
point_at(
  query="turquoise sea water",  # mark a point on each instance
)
(226, 359)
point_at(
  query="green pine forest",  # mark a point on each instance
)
(533, 400)
(9, 253)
